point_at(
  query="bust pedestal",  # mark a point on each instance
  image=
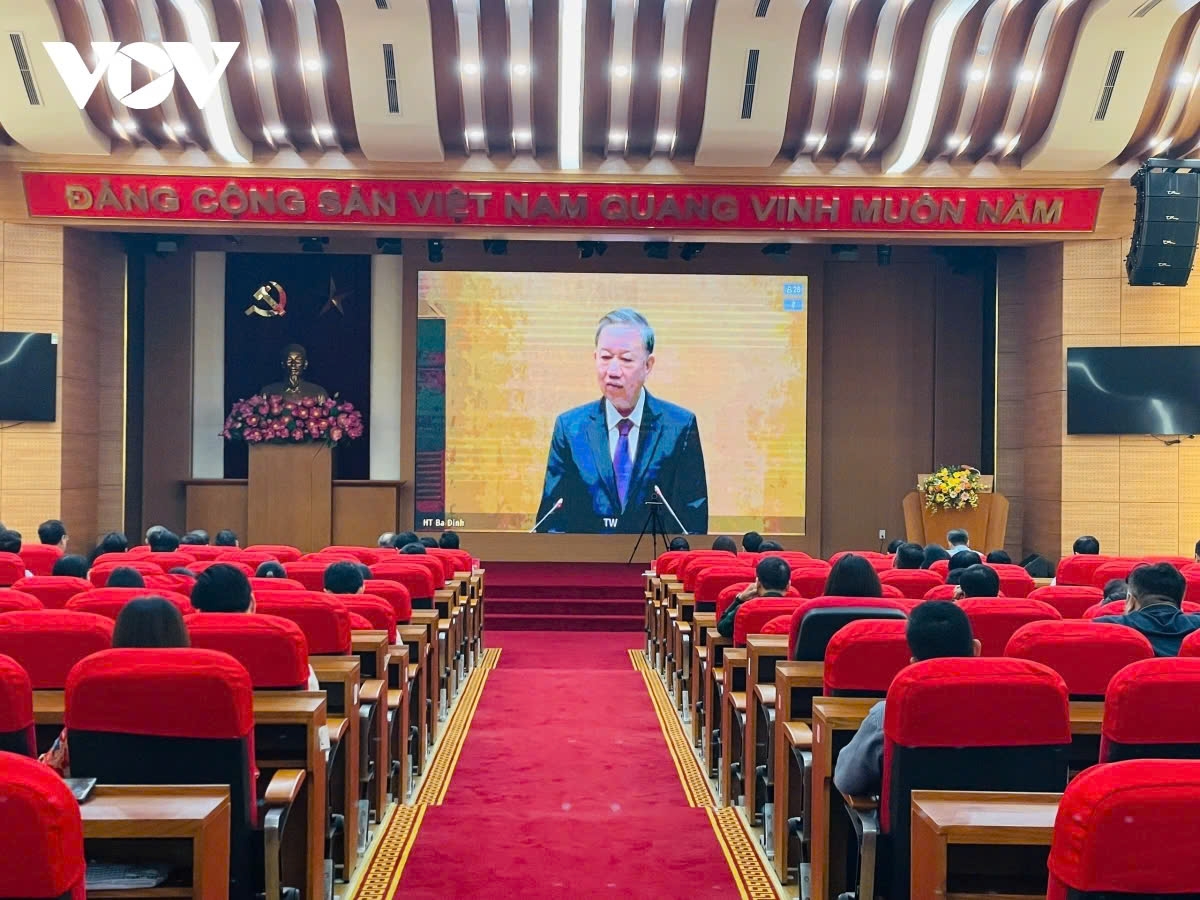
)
(290, 495)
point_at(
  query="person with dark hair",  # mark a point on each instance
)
(936, 629)
(222, 589)
(428, 543)
(999, 557)
(1197, 551)
(73, 565)
(958, 539)
(934, 553)
(1153, 607)
(113, 542)
(270, 569)
(153, 531)
(963, 561)
(364, 570)
(752, 542)
(726, 543)
(415, 548)
(679, 543)
(200, 533)
(954, 576)
(770, 546)
(191, 539)
(182, 570)
(147, 622)
(978, 580)
(895, 544)
(226, 538)
(1086, 545)
(404, 538)
(1115, 589)
(909, 556)
(53, 533)
(165, 541)
(125, 577)
(772, 577)
(448, 540)
(10, 541)
(343, 578)
(853, 576)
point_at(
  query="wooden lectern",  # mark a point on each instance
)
(290, 495)
(986, 523)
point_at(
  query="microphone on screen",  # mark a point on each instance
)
(658, 493)
(555, 508)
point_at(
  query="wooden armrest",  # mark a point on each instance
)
(443, 624)
(414, 670)
(798, 734)
(736, 656)
(765, 694)
(370, 691)
(338, 726)
(685, 597)
(395, 698)
(738, 699)
(284, 787)
(701, 653)
(861, 803)
(684, 627)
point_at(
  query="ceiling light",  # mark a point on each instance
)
(469, 68)
(178, 129)
(878, 74)
(522, 136)
(670, 71)
(279, 132)
(859, 139)
(474, 135)
(262, 63)
(570, 83)
(1001, 140)
(813, 139)
(1184, 77)
(617, 137)
(520, 69)
(313, 65)
(826, 74)
(1026, 75)
(665, 137)
(975, 74)
(621, 71)
(953, 141)
(328, 133)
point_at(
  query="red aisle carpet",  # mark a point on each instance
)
(555, 597)
(565, 787)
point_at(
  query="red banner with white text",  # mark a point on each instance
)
(278, 200)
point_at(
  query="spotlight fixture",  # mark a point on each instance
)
(844, 252)
(656, 249)
(776, 249)
(390, 246)
(495, 246)
(883, 254)
(588, 249)
(164, 247)
(688, 252)
(436, 250)
(313, 244)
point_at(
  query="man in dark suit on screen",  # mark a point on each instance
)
(606, 457)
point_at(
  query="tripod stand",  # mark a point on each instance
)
(654, 525)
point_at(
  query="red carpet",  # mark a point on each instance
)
(565, 788)
(554, 597)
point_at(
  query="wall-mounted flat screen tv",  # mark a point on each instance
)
(1133, 390)
(28, 376)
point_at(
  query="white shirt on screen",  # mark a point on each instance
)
(612, 417)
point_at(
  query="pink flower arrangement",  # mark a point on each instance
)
(262, 419)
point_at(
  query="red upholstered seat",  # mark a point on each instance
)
(697, 560)
(417, 579)
(1014, 581)
(173, 560)
(1192, 593)
(275, 584)
(995, 619)
(1072, 601)
(1099, 849)
(449, 562)
(279, 552)
(366, 556)
(53, 590)
(778, 625)
(1149, 711)
(310, 573)
(1190, 645)
(437, 569)
(940, 567)
(941, 592)
(109, 601)
(1079, 569)
(852, 607)
(375, 611)
(461, 558)
(118, 559)
(394, 593)
(324, 620)
(272, 649)
(1117, 608)
(865, 554)
(358, 622)
(203, 552)
(41, 832)
(894, 593)
(753, 615)
(180, 584)
(244, 568)
(100, 572)
(913, 583)
(864, 656)
(1085, 654)
(40, 558)
(711, 583)
(809, 581)
(12, 600)
(48, 643)
(16, 712)
(1115, 568)
(12, 569)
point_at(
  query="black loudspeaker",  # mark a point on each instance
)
(1166, 222)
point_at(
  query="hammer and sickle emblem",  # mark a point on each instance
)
(270, 305)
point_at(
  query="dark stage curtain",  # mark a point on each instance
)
(339, 346)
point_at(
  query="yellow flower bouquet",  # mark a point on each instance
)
(952, 487)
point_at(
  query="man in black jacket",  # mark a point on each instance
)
(772, 576)
(1153, 607)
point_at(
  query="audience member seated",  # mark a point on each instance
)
(959, 542)
(449, 540)
(1086, 545)
(163, 541)
(71, 566)
(909, 556)
(344, 578)
(853, 576)
(677, 544)
(999, 557)
(933, 553)
(769, 547)
(182, 570)
(416, 548)
(726, 543)
(1115, 589)
(895, 544)
(113, 542)
(935, 629)
(962, 561)
(429, 543)
(41, 833)
(226, 538)
(53, 533)
(772, 577)
(270, 569)
(978, 581)
(17, 734)
(194, 539)
(144, 622)
(385, 539)
(125, 577)
(403, 539)
(1153, 607)
(752, 542)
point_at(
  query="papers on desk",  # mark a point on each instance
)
(123, 877)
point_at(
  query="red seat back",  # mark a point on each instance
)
(48, 643)
(449, 562)
(12, 569)
(324, 620)
(809, 581)
(996, 619)
(279, 552)
(941, 592)
(368, 556)
(1144, 711)
(1098, 848)
(1072, 601)
(864, 656)
(1115, 568)
(180, 584)
(377, 612)
(173, 560)
(53, 590)
(754, 614)
(1085, 654)
(16, 710)
(109, 601)
(1079, 569)
(310, 573)
(244, 568)
(1014, 580)
(865, 554)
(272, 649)
(202, 552)
(710, 582)
(690, 565)
(275, 584)
(1117, 608)
(417, 579)
(13, 601)
(940, 567)
(668, 563)
(43, 832)
(846, 603)
(100, 572)
(437, 569)
(40, 558)
(913, 583)
(394, 593)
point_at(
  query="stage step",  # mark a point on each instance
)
(564, 596)
(535, 622)
(565, 606)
